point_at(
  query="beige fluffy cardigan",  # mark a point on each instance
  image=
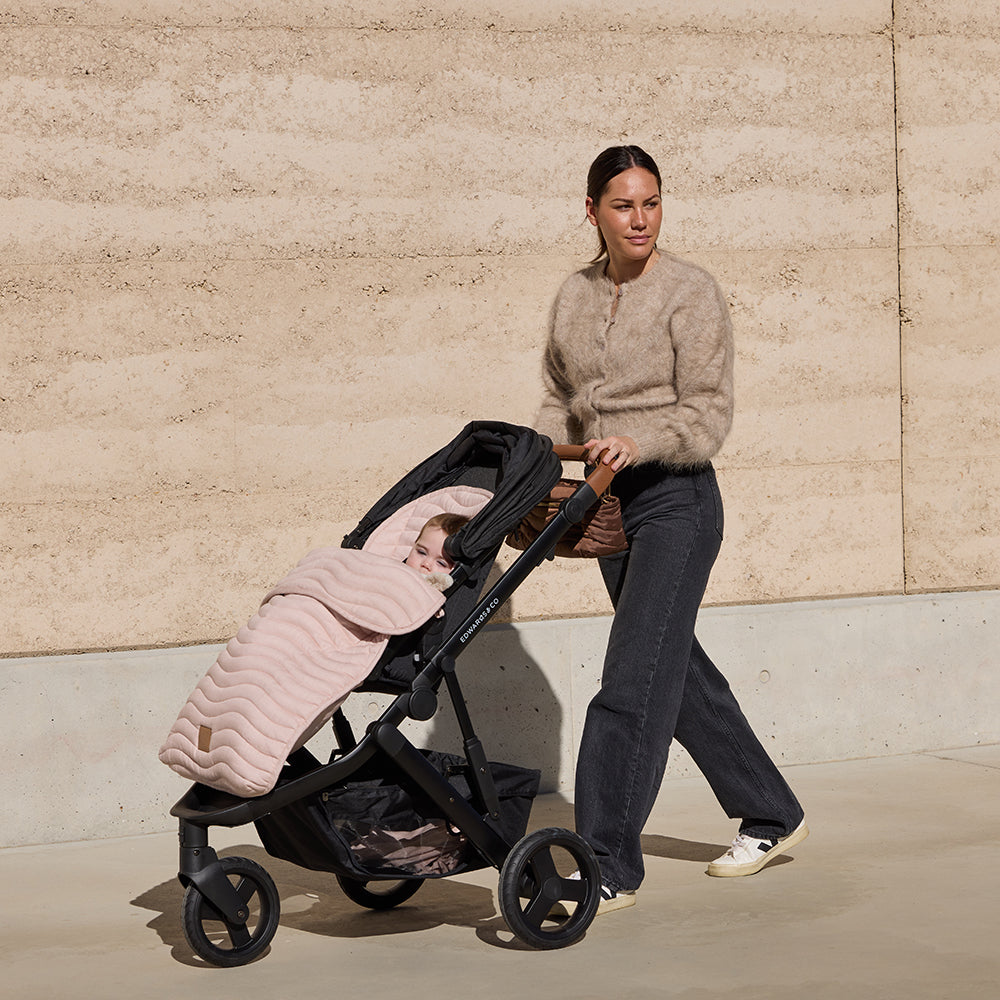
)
(659, 371)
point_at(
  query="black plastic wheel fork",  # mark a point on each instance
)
(199, 866)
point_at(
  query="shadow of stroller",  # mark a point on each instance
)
(516, 714)
(313, 902)
(514, 710)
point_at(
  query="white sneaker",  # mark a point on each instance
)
(611, 900)
(747, 855)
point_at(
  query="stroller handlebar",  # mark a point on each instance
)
(600, 479)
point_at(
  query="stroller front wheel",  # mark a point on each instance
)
(545, 868)
(378, 894)
(220, 942)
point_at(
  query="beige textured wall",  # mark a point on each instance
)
(258, 261)
(949, 164)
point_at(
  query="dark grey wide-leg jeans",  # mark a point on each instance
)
(658, 683)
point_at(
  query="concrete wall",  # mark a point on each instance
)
(821, 680)
(258, 261)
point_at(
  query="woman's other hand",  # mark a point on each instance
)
(619, 451)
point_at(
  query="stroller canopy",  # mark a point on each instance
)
(515, 463)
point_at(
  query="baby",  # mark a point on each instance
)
(428, 557)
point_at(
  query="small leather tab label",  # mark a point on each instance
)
(204, 738)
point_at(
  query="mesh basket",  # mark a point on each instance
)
(387, 827)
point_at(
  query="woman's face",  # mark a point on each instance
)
(629, 214)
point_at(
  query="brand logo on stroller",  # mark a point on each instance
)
(490, 608)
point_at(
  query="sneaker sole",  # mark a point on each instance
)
(620, 902)
(751, 868)
(560, 911)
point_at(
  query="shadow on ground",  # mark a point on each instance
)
(313, 902)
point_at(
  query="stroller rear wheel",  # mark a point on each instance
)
(225, 944)
(378, 894)
(546, 867)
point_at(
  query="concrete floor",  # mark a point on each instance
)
(895, 895)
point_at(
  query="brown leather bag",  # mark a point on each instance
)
(600, 533)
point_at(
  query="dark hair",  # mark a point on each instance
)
(608, 165)
(448, 523)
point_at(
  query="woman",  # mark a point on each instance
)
(639, 366)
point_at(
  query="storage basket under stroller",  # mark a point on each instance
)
(378, 826)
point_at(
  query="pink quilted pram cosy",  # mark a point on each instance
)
(315, 638)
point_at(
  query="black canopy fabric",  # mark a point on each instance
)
(521, 468)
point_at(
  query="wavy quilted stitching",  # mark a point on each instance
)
(268, 687)
(375, 592)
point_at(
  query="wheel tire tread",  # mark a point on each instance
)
(195, 910)
(513, 870)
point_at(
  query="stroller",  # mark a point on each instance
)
(381, 814)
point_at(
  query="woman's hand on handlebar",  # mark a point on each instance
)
(619, 452)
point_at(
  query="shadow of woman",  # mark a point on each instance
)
(657, 846)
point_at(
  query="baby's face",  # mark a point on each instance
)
(427, 554)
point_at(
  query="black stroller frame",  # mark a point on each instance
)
(231, 907)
